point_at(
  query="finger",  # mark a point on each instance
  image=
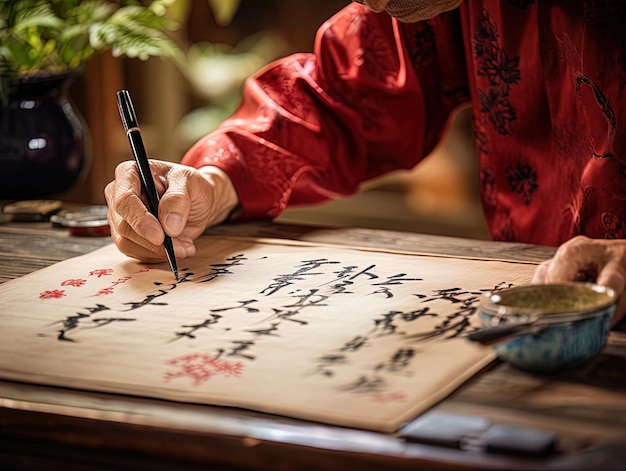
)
(175, 203)
(139, 252)
(541, 272)
(577, 256)
(620, 312)
(613, 275)
(187, 205)
(139, 223)
(124, 198)
(131, 243)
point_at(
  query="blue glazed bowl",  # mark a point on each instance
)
(563, 324)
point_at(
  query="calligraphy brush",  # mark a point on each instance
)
(129, 119)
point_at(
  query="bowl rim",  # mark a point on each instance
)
(490, 307)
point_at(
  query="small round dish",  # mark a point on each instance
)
(564, 324)
(89, 228)
(84, 221)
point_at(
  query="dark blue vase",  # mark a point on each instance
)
(44, 141)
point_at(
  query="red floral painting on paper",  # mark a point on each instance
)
(200, 367)
(52, 294)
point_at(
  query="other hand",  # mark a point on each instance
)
(191, 201)
(583, 259)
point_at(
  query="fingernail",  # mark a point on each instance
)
(173, 223)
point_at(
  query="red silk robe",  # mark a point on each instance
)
(546, 81)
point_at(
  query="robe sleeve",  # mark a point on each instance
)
(374, 96)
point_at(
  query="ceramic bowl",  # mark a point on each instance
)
(567, 323)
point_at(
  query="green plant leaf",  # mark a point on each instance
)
(57, 35)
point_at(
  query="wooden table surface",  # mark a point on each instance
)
(54, 428)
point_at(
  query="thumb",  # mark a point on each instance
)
(174, 223)
(175, 205)
(173, 213)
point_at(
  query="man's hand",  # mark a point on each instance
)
(583, 259)
(191, 200)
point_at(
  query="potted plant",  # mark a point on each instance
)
(43, 37)
(43, 45)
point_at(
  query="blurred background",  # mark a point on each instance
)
(440, 196)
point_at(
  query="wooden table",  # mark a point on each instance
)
(55, 428)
